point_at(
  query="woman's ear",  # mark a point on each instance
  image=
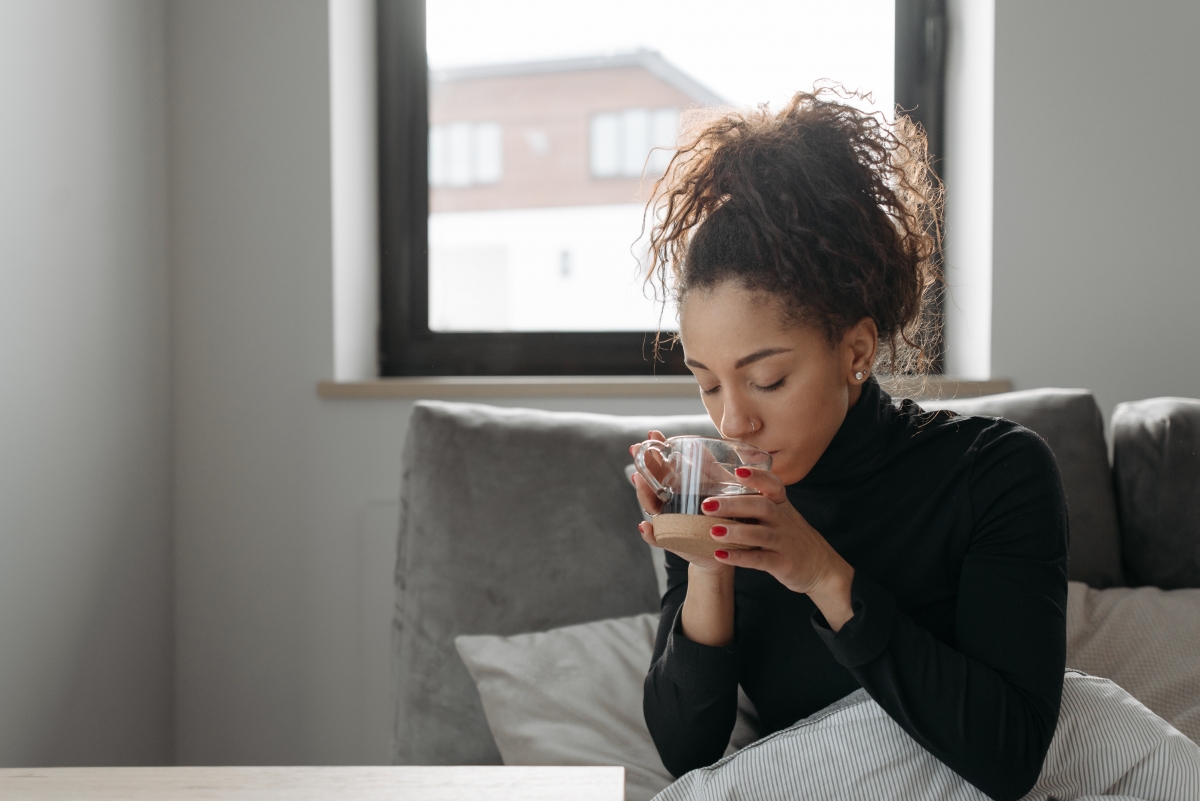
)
(859, 346)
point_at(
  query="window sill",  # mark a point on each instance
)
(673, 386)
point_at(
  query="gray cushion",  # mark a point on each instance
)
(512, 520)
(1070, 422)
(1156, 465)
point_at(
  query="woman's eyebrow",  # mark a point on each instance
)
(742, 362)
(758, 354)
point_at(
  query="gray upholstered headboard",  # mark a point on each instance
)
(518, 520)
(511, 520)
(1070, 422)
(1156, 469)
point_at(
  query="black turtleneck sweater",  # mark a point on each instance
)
(957, 531)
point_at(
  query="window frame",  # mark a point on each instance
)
(922, 30)
(407, 347)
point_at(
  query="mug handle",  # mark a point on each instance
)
(639, 461)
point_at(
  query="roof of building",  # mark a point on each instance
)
(650, 60)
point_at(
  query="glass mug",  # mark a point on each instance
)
(684, 472)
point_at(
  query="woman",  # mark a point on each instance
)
(921, 556)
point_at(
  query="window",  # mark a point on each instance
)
(519, 142)
(465, 154)
(626, 143)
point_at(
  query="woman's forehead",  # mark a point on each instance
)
(726, 325)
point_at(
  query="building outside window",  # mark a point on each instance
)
(541, 243)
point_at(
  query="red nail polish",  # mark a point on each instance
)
(710, 506)
(719, 531)
(743, 472)
(721, 554)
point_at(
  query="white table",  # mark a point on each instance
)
(400, 783)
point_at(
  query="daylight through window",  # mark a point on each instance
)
(550, 122)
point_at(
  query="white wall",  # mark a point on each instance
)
(286, 504)
(85, 598)
(354, 174)
(967, 169)
(1097, 277)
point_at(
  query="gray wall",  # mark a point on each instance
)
(286, 505)
(85, 590)
(1096, 272)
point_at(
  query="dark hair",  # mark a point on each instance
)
(833, 210)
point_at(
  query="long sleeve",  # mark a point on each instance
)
(987, 706)
(690, 694)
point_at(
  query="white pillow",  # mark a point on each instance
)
(573, 696)
(1146, 640)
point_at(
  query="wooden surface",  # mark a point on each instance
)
(458, 783)
(691, 534)
(667, 386)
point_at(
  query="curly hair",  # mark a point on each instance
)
(832, 210)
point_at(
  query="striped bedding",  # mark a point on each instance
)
(1107, 746)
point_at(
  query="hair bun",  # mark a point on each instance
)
(833, 210)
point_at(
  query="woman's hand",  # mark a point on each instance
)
(783, 544)
(653, 505)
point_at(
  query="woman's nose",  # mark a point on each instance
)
(735, 425)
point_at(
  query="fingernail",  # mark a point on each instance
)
(743, 472)
(719, 531)
(632, 480)
(710, 506)
(721, 554)
(640, 531)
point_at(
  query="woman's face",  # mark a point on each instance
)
(780, 387)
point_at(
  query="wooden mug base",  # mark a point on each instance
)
(690, 534)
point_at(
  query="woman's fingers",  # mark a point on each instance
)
(764, 481)
(765, 561)
(646, 497)
(647, 532)
(744, 534)
(658, 435)
(757, 507)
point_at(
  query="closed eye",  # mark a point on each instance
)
(712, 391)
(772, 387)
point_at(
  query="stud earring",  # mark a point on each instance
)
(859, 376)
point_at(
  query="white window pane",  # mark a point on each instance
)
(489, 150)
(438, 156)
(635, 141)
(606, 156)
(665, 128)
(459, 141)
(468, 284)
(473, 289)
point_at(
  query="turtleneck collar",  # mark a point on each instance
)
(862, 438)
